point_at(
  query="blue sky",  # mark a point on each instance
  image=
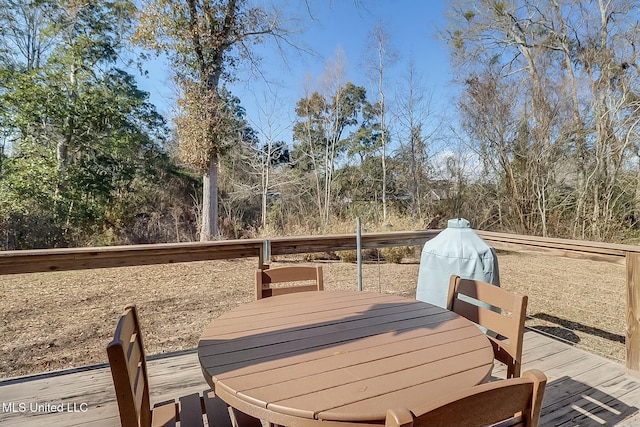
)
(339, 24)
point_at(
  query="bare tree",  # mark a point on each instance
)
(510, 41)
(416, 128)
(382, 55)
(576, 67)
(270, 158)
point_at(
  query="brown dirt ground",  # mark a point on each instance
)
(51, 321)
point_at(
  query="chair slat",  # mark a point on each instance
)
(140, 390)
(493, 295)
(217, 410)
(164, 415)
(266, 278)
(191, 411)
(289, 274)
(288, 290)
(487, 318)
(515, 400)
(134, 360)
(483, 408)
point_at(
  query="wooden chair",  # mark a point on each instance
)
(511, 402)
(508, 323)
(265, 278)
(129, 372)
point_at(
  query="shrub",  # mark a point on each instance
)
(315, 256)
(395, 254)
(348, 256)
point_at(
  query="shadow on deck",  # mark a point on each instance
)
(583, 389)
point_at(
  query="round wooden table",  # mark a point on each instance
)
(317, 358)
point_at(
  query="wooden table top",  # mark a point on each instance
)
(306, 358)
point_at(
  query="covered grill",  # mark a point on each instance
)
(456, 250)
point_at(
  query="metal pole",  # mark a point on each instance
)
(359, 252)
(267, 253)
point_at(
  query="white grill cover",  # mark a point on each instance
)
(456, 250)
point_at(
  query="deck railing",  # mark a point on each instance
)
(31, 261)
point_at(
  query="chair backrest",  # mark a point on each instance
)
(265, 278)
(129, 370)
(507, 321)
(515, 401)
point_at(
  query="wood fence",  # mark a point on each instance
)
(40, 260)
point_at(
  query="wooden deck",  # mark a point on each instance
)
(583, 389)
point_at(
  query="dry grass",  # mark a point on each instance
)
(583, 302)
(60, 320)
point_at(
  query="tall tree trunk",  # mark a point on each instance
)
(383, 130)
(62, 148)
(578, 130)
(415, 196)
(266, 169)
(209, 229)
(265, 192)
(384, 180)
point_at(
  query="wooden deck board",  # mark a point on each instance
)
(583, 389)
(169, 378)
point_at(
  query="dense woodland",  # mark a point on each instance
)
(544, 140)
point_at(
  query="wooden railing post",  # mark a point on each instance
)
(261, 257)
(633, 311)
